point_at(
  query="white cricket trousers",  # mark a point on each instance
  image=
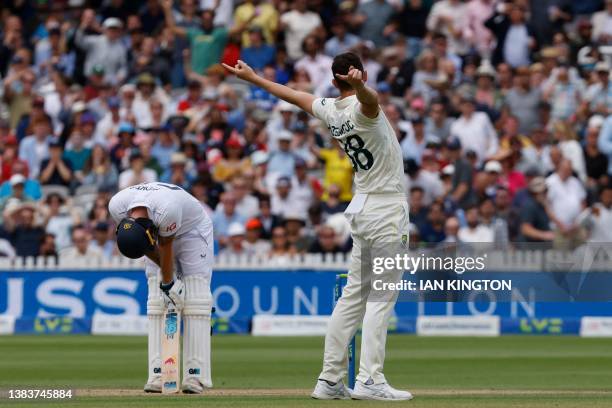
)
(383, 219)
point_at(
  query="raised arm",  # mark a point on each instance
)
(167, 6)
(303, 100)
(367, 97)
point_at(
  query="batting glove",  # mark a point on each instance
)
(174, 294)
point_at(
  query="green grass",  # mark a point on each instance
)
(430, 367)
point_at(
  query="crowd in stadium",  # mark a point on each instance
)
(502, 110)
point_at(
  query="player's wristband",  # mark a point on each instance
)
(166, 286)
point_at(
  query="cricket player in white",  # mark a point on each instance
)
(378, 213)
(171, 228)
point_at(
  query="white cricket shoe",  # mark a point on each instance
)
(324, 391)
(380, 392)
(192, 385)
(153, 385)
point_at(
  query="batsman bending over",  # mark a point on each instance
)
(170, 227)
(378, 213)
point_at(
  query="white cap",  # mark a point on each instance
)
(284, 106)
(259, 157)
(17, 179)
(493, 166)
(596, 122)
(112, 22)
(285, 135)
(127, 88)
(294, 215)
(602, 66)
(78, 107)
(448, 170)
(236, 229)
(178, 158)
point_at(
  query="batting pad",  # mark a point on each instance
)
(196, 341)
(155, 311)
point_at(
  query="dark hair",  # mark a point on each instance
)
(342, 63)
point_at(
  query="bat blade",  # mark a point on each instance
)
(170, 345)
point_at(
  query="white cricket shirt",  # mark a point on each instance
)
(370, 144)
(173, 210)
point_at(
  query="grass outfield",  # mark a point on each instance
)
(280, 372)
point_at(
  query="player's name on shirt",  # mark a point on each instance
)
(339, 131)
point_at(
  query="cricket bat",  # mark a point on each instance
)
(170, 351)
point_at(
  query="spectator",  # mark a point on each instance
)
(450, 18)
(294, 222)
(17, 193)
(106, 50)
(437, 123)
(280, 244)
(474, 129)
(18, 92)
(564, 92)
(256, 13)
(47, 246)
(137, 173)
(342, 40)
(325, 242)
(283, 202)
(246, 204)
(224, 216)
(282, 161)
(34, 149)
(490, 219)
(566, 196)
(596, 162)
(451, 230)
(604, 141)
(56, 170)
(177, 173)
(101, 241)
(20, 223)
(304, 188)
(478, 37)
(253, 242)
(338, 170)
(258, 54)
(599, 93)
(426, 177)
(373, 19)
(81, 248)
(316, 64)
(98, 171)
(474, 231)
(602, 32)
(233, 163)
(598, 218)
(515, 38)
(418, 210)
(333, 203)
(297, 25)
(268, 220)
(207, 41)
(59, 218)
(235, 241)
(426, 76)
(534, 221)
(461, 186)
(433, 230)
(414, 144)
(31, 186)
(570, 148)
